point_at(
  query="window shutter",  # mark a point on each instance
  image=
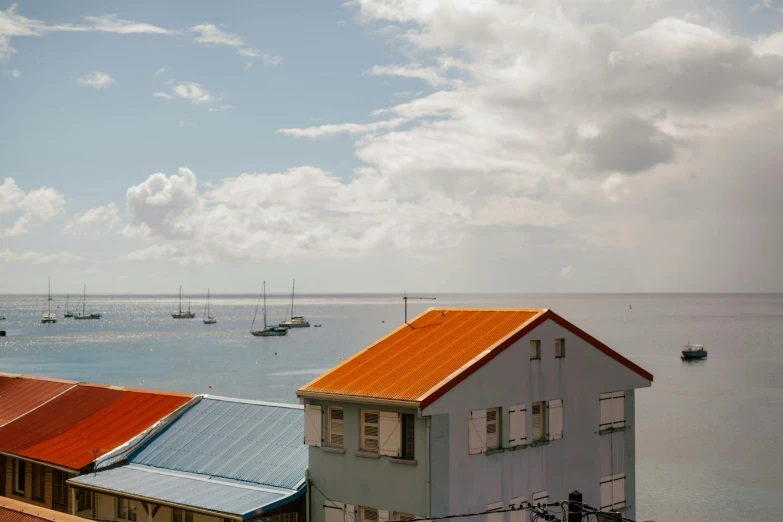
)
(606, 492)
(478, 432)
(495, 517)
(369, 514)
(383, 516)
(391, 434)
(350, 513)
(370, 430)
(493, 437)
(516, 424)
(555, 419)
(518, 515)
(606, 411)
(312, 425)
(540, 498)
(618, 490)
(618, 409)
(336, 434)
(333, 511)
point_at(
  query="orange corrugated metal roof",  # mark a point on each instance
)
(21, 393)
(414, 359)
(16, 511)
(423, 360)
(67, 429)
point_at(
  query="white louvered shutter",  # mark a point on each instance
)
(606, 411)
(555, 419)
(350, 513)
(478, 432)
(516, 425)
(312, 425)
(618, 490)
(370, 431)
(391, 434)
(606, 492)
(493, 428)
(518, 515)
(618, 409)
(495, 517)
(336, 427)
(333, 511)
(383, 515)
(542, 498)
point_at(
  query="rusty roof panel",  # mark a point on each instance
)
(12, 510)
(66, 430)
(416, 358)
(20, 394)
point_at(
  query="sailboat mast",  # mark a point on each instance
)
(264, 305)
(49, 297)
(180, 298)
(293, 292)
(84, 298)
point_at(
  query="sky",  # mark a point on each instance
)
(391, 146)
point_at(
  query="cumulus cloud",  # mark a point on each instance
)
(96, 221)
(97, 80)
(38, 258)
(630, 145)
(37, 207)
(188, 91)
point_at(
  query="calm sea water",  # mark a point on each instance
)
(709, 434)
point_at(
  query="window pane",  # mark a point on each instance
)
(121, 508)
(20, 467)
(538, 421)
(131, 510)
(535, 349)
(408, 436)
(559, 347)
(188, 516)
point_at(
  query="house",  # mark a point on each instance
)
(470, 410)
(51, 430)
(222, 460)
(16, 511)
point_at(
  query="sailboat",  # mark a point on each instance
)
(181, 314)
(208, 319)
(84, 314)
(67, 313)
(49, 317)
(272, 331)
(296, 321)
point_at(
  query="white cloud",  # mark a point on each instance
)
(342, 128)
(160, 71)
(566, 271)
(97, 80)
(221, 108)
(188, 91)
(113, 24)
(38, 258)
(15, 73)
(212, 34)
(429, 75)
(37, 207)
(95, 221)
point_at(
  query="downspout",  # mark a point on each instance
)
(428, 462)
(307, 495)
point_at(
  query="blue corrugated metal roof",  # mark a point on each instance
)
(226, 455)
(187, 489)
(241, 440)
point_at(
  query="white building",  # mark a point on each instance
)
(468, 410)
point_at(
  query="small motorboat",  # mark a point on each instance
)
(694, 351)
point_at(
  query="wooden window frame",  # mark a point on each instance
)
(535, 350)
(367, 510)
(560, 348)
(187, 516)
(331, 423)
(544, 435)
(363, 425)
(84, 500)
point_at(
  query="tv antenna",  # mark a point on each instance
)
(405, 300)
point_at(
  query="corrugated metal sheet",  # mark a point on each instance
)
(21, 393)
(184, 488)
(67, 429)
(15, 511)
(239, 440)
(414, 359)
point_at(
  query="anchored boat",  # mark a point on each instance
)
(84, 314)
(208, 319)
(68, 312)
(49, 317)
(296, 321)
(272, 331)
(180, 314)
(694, 351)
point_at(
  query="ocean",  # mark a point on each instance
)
(709, 434)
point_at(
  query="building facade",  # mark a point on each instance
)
(466, 411)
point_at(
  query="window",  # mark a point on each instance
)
(20, 469)
(312, 425)
(181, 515)
(539, 421)
(493, 428)
(39, 481)
(497, 516)
(61, 488)
(517, 504)
(335, 427)
(613, 491)
(408, 436)
(559, 347)
(126, 510)
(555, 420)
(84, 500)
(540, 499)
(517, 436)
(404, 517)
(612, 410)
(369, 427)
(535, 350)
(477, 432)
(369, 514)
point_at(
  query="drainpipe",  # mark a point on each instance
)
(307, 495)
(429, 467)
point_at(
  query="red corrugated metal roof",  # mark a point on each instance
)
(15, 511)
(22, 393)
(422, 361)
(67, 429)
(416, 358)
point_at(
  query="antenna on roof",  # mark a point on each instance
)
(405, 300)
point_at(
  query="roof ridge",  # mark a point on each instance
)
(255, 402)
(36, 378)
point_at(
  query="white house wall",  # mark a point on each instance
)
(559, 466)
